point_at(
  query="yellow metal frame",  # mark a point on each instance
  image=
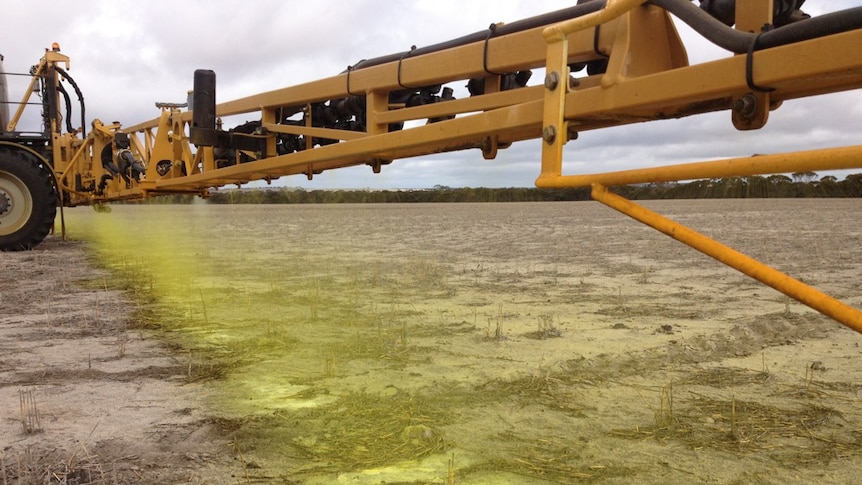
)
(648, 77)
(50, 59)
(793, 288)
(555, 121)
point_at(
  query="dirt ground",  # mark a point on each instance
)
(467, 343)
(86, 395)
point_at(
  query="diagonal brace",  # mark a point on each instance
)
(767, 275)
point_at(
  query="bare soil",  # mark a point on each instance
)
(468, 344)
(86, 394)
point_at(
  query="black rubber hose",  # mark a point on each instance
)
(78, 92)
(504, 29)
(710, 28)
(820, 26)
(740, 42)
(68, 107)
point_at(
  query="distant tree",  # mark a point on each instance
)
(852, 185)
(756, 186)
(829, 187)
(804, 177)
(780, 186)
(218, 198)
(272, 196)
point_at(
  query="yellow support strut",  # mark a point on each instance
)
(556, 132)
(840, 158)
(767, 275)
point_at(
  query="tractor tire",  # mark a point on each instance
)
(28, 201)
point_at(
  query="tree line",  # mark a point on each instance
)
(437, 194)
(806, 184)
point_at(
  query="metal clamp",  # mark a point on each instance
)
(492, 29)
(749, 66)
(407, 53)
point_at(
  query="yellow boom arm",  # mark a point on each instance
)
(392, 107)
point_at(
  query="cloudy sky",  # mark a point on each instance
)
(128, 54)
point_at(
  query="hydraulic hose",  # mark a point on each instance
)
(710, 28)
(740, 42)
(67, 77)
(68, 101)
(495, 30)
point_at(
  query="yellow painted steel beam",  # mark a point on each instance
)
(523, 50)
(77, 158)
(669, 93)
(555, 131)
(642, 86)
(825, 304)
(329, 133)
(13, 122)
(798, 70)
(509, 53)
(465, 105)
(751, 16)
(516, 122)
(811, 160)
(612, 10)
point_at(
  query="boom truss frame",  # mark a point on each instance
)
(648, 77)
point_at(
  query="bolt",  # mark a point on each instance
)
(552, 80)
(549, 134)
(746, 106)
(487, 145)
(5, 203)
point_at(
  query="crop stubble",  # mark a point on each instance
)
(519, 343)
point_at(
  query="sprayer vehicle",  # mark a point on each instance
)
(602, 63)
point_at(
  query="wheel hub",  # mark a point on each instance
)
(16, 203)
(5, 202)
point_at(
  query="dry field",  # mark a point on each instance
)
(465, 343)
